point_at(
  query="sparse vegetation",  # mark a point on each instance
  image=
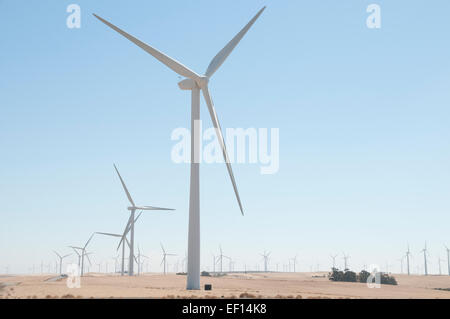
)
(247, 295)
(350, 276)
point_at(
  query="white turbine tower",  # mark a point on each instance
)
(408, 256)
(83, 253)
(131, 221)
(425, 252)
(60, 261)
(164, 259)
(194, 83)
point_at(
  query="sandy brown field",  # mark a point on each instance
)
(257, 285)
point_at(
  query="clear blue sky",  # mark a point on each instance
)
(363, 117)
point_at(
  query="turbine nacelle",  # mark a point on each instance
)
(190, 84)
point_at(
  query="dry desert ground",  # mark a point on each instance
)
(237, 285)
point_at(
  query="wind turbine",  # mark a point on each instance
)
(439, 261)
(60, 261)
(83, 253)
(139, 260)
(448, 259)
(122, 242)
(425, 251)
(164, 259)
(346, 258)
(408, 254)
(220, 257)
(294, 261)
(131, 221)
(194, 83)
(266, 259)
(334, 260)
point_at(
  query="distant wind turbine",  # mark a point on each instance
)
(346, 258)
(221, 256)
(401, 263)
(266, 260)
(334, 260)
(60, 261)
(139, 262)
(131, 221)
(439, 262)
(425, 252)
(194, 83)
(408, 255)
(294, 261)
(164, 259)
(83, 253)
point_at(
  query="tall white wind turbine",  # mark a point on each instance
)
(131, 222)
(60, 261)
(196, 83)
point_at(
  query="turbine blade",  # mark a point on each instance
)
(127, 229)
(109, 234)
(166, 60)
(124, 187)
(136, 219)
(66, 255)
(57, 254)
(87, 256)
(162, 248)
(89, 240)
(216, 124)
(225, 52)
(153, 208)
(74, 249)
